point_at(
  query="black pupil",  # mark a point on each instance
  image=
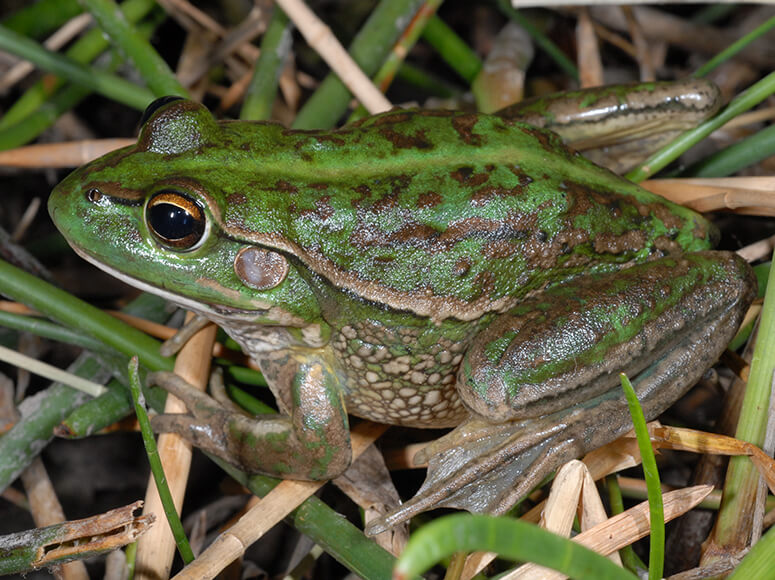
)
(171, 222)
(156, 105)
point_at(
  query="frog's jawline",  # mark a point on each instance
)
(183, 302)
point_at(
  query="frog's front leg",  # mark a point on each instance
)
(542, 380)
(312, 442)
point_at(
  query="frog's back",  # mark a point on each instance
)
(450, 214)
(444, 214)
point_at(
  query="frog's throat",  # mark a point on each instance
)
(204, 308)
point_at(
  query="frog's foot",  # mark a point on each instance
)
(274, 445)
(487, 468)
(206, 424)
(479, 465)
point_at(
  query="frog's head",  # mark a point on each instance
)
(150, 214)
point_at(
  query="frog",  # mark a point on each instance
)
(421, 268)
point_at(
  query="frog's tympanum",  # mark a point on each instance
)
(418, 268)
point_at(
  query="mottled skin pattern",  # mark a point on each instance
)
(386, 268)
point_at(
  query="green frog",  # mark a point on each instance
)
(422, 268)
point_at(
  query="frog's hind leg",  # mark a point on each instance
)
(543, 385)
(568, 345)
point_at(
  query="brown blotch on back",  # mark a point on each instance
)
(544, 138)
(417, 140)
(462, 267)
(385, 203)
(630, 241)
(524, 178)
(500, 249)
(670, 219)
(429, 199)
(583, 199)
(462, 174)
(415, 234)
(466, 176)
(324, 208)
(391, 118)
(468, 227)
(464, 125)
(236, 199)
(331, 138)
(285, 186)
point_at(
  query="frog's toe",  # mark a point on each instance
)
(206, 426)
(198, 403)
(482, 468)
(205, 435)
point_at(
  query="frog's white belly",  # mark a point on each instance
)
(388, 381)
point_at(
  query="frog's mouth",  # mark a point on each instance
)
(204, 308)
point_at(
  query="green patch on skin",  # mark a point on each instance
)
(320, 466)
(497, 347)
(281, 469)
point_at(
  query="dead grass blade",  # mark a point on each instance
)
(746, 195)
(77, 539)
(701, 442)
(323, 41)
(272, 508)
(60, 155)
(156, 550)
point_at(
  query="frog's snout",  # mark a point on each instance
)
(54, 205)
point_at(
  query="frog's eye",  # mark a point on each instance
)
(156, 105)
(175, 219)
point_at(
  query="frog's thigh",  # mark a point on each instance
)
(567, 345)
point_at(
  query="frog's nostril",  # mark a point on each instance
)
(94, 195)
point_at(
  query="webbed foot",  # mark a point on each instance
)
(485, 468)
